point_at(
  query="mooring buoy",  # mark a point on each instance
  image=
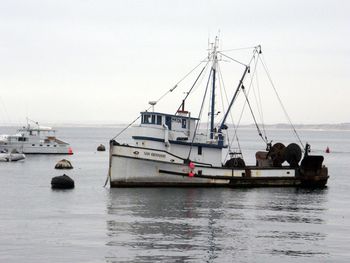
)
(101, 148)
(64, 164)
(62, 182)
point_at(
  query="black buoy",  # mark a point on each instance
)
(64, 164)
(101, 148)
(62, 182)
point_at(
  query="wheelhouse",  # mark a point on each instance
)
(180, 122)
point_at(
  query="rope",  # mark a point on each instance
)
(251, 110)
(200, 114)
(195, 82)
(260, 103)
(176, 85)
(235, 49)
(258, 99)
(127, 127)
(160, 98)
(280, 101)
(232, 59)
(250, 85)
(221, 80)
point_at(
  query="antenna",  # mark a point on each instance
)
(152, 103)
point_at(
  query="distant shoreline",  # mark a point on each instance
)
(277, 126)
(283, 126)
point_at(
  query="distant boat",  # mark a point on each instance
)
(11, 156)
(169, 149)
(34, 139)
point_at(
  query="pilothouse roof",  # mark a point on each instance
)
(168, 115)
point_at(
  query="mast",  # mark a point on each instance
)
(240, 85)
(212, 110)
(222, 126)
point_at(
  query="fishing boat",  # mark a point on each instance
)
(179, 149)
(34, 139)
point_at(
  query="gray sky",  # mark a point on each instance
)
(102, 61)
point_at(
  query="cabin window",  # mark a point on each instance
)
(184, 121)
(159, 120)
(33, 144)
(199, 150)
(55, 145)
(48, 145)
(22, 139)
(168, 122)
(153, 119)
(41, 145)
(146, 118)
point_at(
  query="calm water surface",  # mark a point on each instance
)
(95, 224)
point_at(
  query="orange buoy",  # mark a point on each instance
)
(191, 166)
(327, 150)
(70, 151)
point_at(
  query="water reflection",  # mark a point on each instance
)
(214, 225)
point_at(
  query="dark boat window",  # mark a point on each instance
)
(22, 139)
(159, 120)
(168, 122)
(199, 150)
(153, 119)
(184, 123)
(146, 118)
(33, 144)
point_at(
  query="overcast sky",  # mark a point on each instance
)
(102, 61)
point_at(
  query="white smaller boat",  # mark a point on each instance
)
(12, 156)
(34, 139)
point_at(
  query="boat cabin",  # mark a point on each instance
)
(37, 131)
(181, 122)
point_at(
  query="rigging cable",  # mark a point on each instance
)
(200, 114)
(232, 59)
(250, 85)
(221, 79)
(195, 82)
(260, 102)
(258, 99)
(251, 111)
(236, 49)
(160, 98)
(280, 101)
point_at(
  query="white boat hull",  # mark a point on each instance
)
(44, 149)
(136, 166)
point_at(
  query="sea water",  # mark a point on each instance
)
(92, 223)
